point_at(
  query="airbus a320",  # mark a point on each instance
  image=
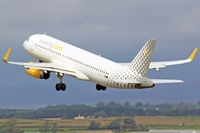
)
(62, 58)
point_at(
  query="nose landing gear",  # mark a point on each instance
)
(60, 86)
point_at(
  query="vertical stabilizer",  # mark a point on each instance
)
(141, 62)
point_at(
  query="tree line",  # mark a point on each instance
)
(116, 124)
(103, 109)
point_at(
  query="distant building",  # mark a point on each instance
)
(174, 131)
(79, 117)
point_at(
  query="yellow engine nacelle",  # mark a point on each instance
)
(36, 73)
(33, 72)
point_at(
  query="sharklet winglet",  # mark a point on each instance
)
(193, 54)
(5, 59)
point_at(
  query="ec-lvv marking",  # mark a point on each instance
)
(62, 58)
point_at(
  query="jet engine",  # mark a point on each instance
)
(36, 73)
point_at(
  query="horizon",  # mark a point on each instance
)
(35, 107)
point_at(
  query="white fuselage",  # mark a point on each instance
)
(96, 68)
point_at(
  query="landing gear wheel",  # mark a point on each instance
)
(99, 87)
(58, 87)
(63, 87)
(103, 88)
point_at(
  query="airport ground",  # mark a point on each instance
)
(81, 125)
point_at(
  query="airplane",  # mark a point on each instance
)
(62, 59)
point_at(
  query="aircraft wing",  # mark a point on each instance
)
(165, 81)
(46, 67)
(51, 67)
(157, 65)
(162, 64)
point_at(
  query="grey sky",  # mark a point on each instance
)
(116, 29)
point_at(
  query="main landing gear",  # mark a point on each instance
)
(99, 87)
(60, 86)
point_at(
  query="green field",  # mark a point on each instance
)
(148, 122)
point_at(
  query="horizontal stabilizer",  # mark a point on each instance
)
(165, 81)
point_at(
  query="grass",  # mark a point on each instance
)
(149, 122)
(174, 127)
(167, 121)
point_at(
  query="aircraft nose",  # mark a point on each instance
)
(25, 45)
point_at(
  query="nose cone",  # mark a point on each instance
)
(25, 45)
